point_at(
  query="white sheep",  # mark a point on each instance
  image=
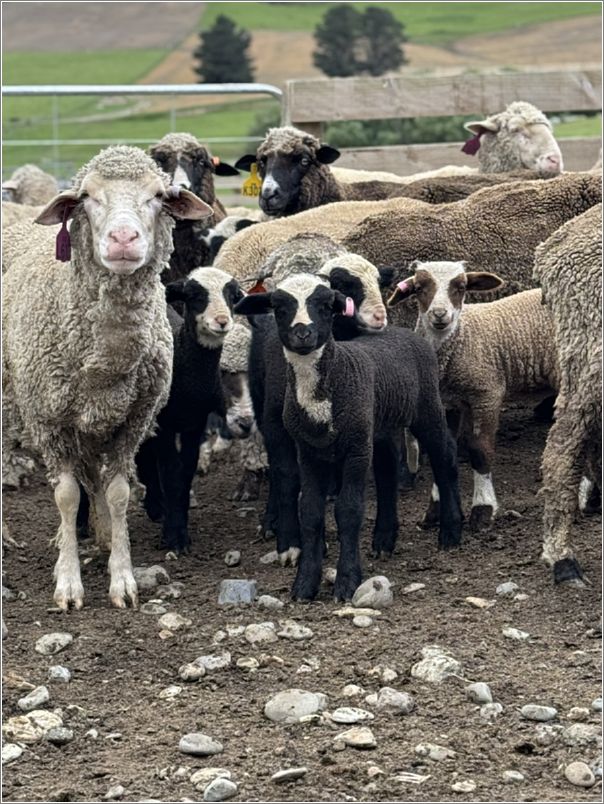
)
(87, 358)
(29, 184)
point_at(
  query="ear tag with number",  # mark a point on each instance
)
(252, 186)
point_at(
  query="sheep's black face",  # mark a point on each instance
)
(188, 169)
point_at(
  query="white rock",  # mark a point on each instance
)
(153, 607)
(490, 711)
(148, 578)
(410, 778)
(34, 699)
(114, 793)
(261, 633)
(173, 590)
(521, 597)
(199, 745)
(596, 705)
(479, 602)
(507, 589)
(291, 705)
(515, 633)
(270, 558)
(464, 787)
(220, 790)
(374, 593)
(248, 663)
(578, 713)
(434, 751)
(214, 661)
(232, 558)
(547, 733)
(219, 637)
(329, 575)
(59, 736)
(582, 735)
(235, 630)
(351, 611)
(288, 775)
(357, 737)
(236, 591)
(191, 672)
(92, 734)
(399, 703)
(59, 673)
(537, 712)
(168, 693)
(32, 727)
(10, 752)
(579, 774)
(269, 602)
(350, 714)
(479, 693)
(512, 776)
(49, 644)
(174, 622)
(413, 587)
(202, 778)
(362, 621)
(371, 699)
(385, 674)
(290, 629)
(352, 691)
(436, 665)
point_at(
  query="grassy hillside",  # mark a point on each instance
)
(427, 23)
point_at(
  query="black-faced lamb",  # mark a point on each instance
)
(165, 467)
(345, 406)
(29, 184)
(485, 352)
(87, 352)
(569, 267)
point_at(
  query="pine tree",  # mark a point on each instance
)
(336, 37)
(222, 54)
(381, 42)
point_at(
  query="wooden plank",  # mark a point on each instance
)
(579, 153)
(403, 96)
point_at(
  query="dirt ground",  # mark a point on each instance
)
(120, 664)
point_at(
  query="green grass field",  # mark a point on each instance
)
(428, 23)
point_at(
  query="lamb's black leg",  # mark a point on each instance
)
(147, 469)
(385, 465)
(190, 442)
(83, 514)
(349, 511)
(440, 446)
(174, 529)
(284, 490)
(314, 481)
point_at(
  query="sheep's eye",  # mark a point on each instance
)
(462, 288)
(305, 161)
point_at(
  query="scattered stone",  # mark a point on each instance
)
(232, 558)
(436, 665)
(371, 699)
(410, 778)
(261, 633)
(310, 665)
(148, 578)
(357, 737)
(373, 771)
(479, 602)
(153, 607)
(537, 712)
(214, 661)
(7, 594)
(114, 793)
(352, 691)
(579, 774)
(521, 597)
(385, 674)
(191, 672)
(50, 644)
(339, 745)
(515, 633)
(507, 589)
(490, 711)
(220, 790)
(166, 634)
(511, 776)
(479, 693)
(59, 673)
(288, 775)
(350, 714)
(248, 663)
(413, 587)
(350, 611)
(596, 705)
(329, 575)
(464, 787)
(373, 593)
(433, 751)
(92, 734)
(32, 727)
(237, 593)
(399, 703)
(169, 693)
(290, 629)
(219, 637)
(10, 752)
(291, 705)
(174, 622)
(59, 735)
(173, 590)
(34, 699)
(362, 621)
(200, 745)
(546, 733)
(270, 558)
(202, 778)
(581, 735)
(578, 713)
(269, 602)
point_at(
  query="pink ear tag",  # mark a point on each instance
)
(63, 241)
(473, 144)
(349, 311)
(404, 286)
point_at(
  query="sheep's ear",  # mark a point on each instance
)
(482, 126)
(245, 162)
(176, 291)
(224, 169)
(244, 223)
(59, 209)
(403, 290)
(340, 303)
(254, 304)
(326, 154)
(9, 184)
(386, 273)
(184, 204)
(482, 281)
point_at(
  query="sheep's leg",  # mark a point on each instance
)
(148, 474)
(122, 585)
(284, 491)
(562, 468)
(171, 478)
(314, 482)
(435, 438)
(481, 447)
(349, 512)
(385, 465)
(101, 519)
(69, 589)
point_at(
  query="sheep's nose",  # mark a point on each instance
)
(124, 235)
(439, 312)
(554, 160)
(222, 320)
(379, 317)
(245, 424)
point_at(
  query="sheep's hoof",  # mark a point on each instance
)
(154, 511)
(449, 536)
(305, 588)
(290, 556)
(383, 543)
(69, 594)
(346, 584)
(544, 411)
(481, 517)
(176, 539)
(432, 516)
(406, 478)
(568, 571)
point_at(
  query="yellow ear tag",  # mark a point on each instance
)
(252, 186)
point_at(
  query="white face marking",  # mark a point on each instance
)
(306, 381)
(301, 286)
(269, 184)
(372, 305)
(180, 175)
(209, 331)
(484, 492)
(442, 273)
(585, 489)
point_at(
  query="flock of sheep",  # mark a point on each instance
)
(123, 357)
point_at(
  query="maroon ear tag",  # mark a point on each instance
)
(63, 242)
(258, 288)
(473, 144)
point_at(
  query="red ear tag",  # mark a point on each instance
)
(63, 241)
(258, 288)
(404, 286)
(215, 160)
(473, 144)
(349, 311)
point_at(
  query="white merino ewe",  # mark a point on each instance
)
(87, 358)
(29, 184)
